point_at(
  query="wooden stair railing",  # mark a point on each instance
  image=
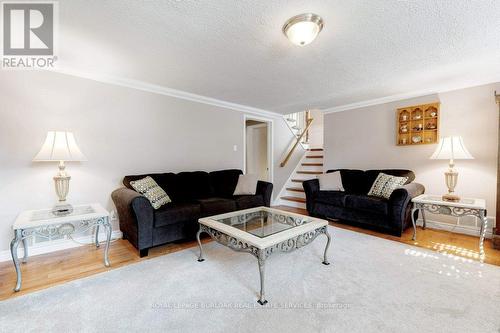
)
(297, 141)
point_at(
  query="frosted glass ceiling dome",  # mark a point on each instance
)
(303, 29)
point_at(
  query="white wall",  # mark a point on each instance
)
(120, 130)
(365, 138)
(316, 136)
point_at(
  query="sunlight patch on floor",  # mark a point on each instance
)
(459, 254)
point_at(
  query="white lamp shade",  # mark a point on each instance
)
(60, 146)
(451, 148)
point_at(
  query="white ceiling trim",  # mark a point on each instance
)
(161, 90)
(378, 101)
(400, 97)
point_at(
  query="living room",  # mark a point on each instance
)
(351, 148)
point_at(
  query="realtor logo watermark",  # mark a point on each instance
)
(29, 34)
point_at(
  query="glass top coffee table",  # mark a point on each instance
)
(261, 232)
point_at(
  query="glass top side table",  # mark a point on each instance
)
(465, 207)
(43, 223)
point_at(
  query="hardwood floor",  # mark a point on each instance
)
(432, 239)
(55, 268)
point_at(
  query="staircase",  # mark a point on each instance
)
(309, 167)
(297, 123)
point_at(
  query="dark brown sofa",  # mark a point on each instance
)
(194, 195)
(354, 205)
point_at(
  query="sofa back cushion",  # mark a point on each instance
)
(224, 182)
(190, 186)
(194, 185)
(131, 178)
(371, 175)
(167, 181)
(353, 180)
(360, 182)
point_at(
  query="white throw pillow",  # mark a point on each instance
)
(247, 185)
(152, 191)
(385, 184)
(330, 182)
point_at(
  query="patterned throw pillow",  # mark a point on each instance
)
(152, 191)
(384, 185)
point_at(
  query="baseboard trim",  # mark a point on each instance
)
(58, 245)
(456, 228)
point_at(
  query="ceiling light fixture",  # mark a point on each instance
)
(303, 29)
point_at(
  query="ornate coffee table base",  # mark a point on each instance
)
(262, 254)
(49, 231)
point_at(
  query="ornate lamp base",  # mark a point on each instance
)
(61, 182)
(451, 178)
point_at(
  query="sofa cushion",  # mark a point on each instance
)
(331, 181)
(131, 178)
(214, 206)
(371, 175)
(194, 185)
(367, 203)
(247, 185)
(354, 181)
(167, 181)
(335, 198)
(170, 183)
(177, 212)
(249, 201)
(152, 191)
(384, 185)
(224, 182)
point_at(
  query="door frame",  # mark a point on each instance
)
(270, 138)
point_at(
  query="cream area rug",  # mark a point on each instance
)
(372, 285)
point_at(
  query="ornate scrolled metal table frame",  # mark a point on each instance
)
(51, 230)
(288, 245)
(451, 211)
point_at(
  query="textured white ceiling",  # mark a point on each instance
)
(235, 50)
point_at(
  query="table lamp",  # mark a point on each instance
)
(60, 147)
(451, 148)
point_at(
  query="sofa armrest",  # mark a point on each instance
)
(400, 204)
(266, 190)
(136, 216)
(406, 193)
(310, 188)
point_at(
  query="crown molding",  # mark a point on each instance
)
(378, 101)
(400, 97)
(161, 90)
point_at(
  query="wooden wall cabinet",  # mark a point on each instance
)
(417, 125)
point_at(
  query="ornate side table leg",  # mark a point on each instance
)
(200, 257)
(97, 236)
(107, 225)
(414, 222)
(325, 259)
(261, 260)
(15, 259)
(25, 248)
(424, 220)
(484, 224)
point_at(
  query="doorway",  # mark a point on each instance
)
(258, 146)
